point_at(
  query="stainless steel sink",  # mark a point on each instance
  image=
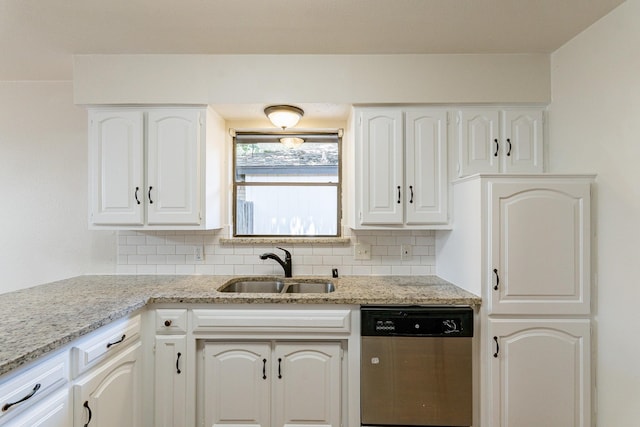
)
(310, 288)
(276, 286)
(253, 286)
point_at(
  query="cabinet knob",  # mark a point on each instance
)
(167, 323)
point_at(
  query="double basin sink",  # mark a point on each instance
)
(277, 286)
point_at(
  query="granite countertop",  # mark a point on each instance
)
(44, 318)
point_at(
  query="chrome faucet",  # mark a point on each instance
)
(286, 264)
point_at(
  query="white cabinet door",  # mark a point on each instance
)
(540, 247)
(522, 134)
(237, 380)
(382, 167)
(479, 145)
(55, 411)
(173, 167)
(170, 381)
(539, 373)
(426, 166)
(109, 395)
(307, 384)
(492, 141)
(116, 149)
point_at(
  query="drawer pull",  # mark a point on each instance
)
(264, 369)
(27, 397)
(497, 347)
(509, 145)
(149, 195)
(411, 190)
(178, 371)
(86, 405)
(495, 154)
(167, 323)
(279, 367)
(495, 272)
(116, 342)
(399, 194)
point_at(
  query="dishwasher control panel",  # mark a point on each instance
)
(417, 321)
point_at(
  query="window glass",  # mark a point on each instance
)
(284, 191)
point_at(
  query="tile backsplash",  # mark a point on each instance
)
(172, 252)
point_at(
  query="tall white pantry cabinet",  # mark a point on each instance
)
(522, 242)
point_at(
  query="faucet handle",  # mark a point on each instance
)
(286, 252)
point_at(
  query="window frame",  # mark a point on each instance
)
(275, 135)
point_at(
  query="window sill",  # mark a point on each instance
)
(285, 240)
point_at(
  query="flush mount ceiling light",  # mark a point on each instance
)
(284, 116)
(291, 142)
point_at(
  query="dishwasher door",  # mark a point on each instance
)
(416, 381)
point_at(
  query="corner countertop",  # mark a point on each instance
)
(44, 318)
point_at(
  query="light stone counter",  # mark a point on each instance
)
(44, 318)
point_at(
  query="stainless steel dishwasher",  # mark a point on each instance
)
(416, 367)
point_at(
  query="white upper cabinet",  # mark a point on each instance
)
(382, 167)
(539, 256)
(492, 141)
(425, 166)
(116, 151)
(400, 177)
(154, 168)
(173, 167)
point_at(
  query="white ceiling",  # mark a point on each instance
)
(39, 37)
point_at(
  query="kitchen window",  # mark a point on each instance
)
(285, 191)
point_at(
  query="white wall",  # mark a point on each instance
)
(43, 188)
(594, 126)
(341, 79)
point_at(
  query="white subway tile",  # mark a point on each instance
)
(381, 270)
(127, 250)
(224, 270)
(126, 269)
(243, 269)
(147, 250)
(333, 260)
(322, 250)
(185, 269)
(166, 269)
(361, 270)
(175, 259)
(205, 269)
(136, 240)
(137, 259)
(146, 269)
(156, 259)
(166, 250)
(400, 270)
(233, 259)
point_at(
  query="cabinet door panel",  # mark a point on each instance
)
(52, 412)
(425, 167)
(539, 248)
(170, 381)
(522, 132)
(110, 395)
(173, 175)
(116, 159)
(382, 177)
(540, 376)
(308, 390)
(237, 377)
(479, 147)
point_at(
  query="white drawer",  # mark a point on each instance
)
(100, 344)
(272, 320)
(171, 321)
(26, 388)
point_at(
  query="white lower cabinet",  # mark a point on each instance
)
(539, 373)
(272, 384)
(109, 395)
(55, 411)
(170, 381)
